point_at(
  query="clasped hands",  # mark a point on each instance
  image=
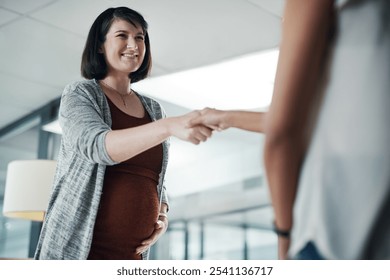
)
(197, 126)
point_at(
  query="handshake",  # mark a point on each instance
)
(197, 126)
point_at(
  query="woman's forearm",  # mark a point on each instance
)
(283, 159)
(305, 27)
(126, 143)
(246, 120)
(224, 119)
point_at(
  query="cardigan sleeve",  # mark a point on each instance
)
(83, 126)
(160, 114)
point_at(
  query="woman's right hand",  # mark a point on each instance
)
(180, 128)
(212, 118)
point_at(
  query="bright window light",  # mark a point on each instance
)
(242, 83)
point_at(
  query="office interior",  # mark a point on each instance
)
(219, 201)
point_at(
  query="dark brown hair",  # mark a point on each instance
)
(93, 64)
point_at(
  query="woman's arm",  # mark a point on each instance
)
(126, 143)
(224, 119)
(305, 31)
(85, 131)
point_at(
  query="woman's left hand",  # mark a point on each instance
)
(283, 245)
(160, 227)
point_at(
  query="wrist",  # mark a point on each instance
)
(163, 214)
(228, 119)
(163, 218)
(233, 119)
(168, 126)
(281, 232)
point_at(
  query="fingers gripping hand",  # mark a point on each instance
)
(182, 129)
(199, 134)
(212, 118)
(195, 118)
(283, 245)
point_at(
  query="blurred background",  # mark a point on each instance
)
(215, 53)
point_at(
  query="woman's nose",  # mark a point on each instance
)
(131, 44)
(134, 47)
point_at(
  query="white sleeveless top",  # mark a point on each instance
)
(345, 181)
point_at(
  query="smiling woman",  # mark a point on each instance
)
(109, 199)
(116, 28)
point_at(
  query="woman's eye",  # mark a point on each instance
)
(141, 38)
(122, 35)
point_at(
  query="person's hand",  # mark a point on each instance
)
(160, 227)
(212, 118)
(283, 246)
(180, 127)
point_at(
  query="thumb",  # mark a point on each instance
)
(159, 224)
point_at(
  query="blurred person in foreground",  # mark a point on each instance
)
(327, 151)
(327, 148)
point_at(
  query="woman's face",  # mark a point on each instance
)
(124, 48)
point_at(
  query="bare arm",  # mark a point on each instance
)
(305, 27)
(224, 119)
(126, 143)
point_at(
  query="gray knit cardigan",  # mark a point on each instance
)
(85, 119)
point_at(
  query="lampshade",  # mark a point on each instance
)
(27, 189)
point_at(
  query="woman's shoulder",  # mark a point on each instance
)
(87, 86)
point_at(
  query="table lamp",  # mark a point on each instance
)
(27, 189)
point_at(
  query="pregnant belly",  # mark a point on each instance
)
(127, 214)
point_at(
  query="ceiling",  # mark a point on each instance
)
(41, 42)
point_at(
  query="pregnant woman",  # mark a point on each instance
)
(109, 199)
